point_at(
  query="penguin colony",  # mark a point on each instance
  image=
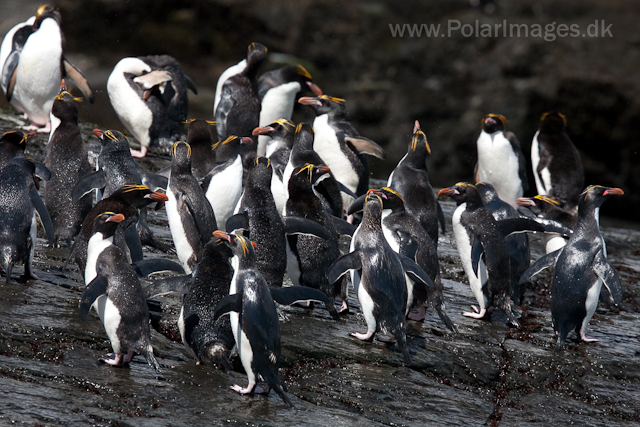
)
(239, 222)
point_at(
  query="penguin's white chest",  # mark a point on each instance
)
(178, 234)
(38, 73)
(97, 244)
(110, 317)
(276, 104)
(224, 191)
(543, 177)
(498, 165)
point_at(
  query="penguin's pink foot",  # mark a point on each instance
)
(363, 337)
(113, 359)
(344, 308)
(585, 338)
(38, 128)
(479, 313)
(138, 154)
(419, 315)
(128, 357)
(240, 390)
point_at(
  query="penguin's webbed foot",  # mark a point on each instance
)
(479, 313)
(264, 390)
(363, 337)
(248, 390)
(344, 308)
(138, 154)
(38, 128)
(387, 339)
(585, 338)
(112, 359)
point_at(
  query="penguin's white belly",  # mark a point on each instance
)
(229, 72)
(110, 317)
(5, 50)
(498, 165)
(463, 245)
(286, 176)
(97, 244)
(279, 195)
(132, 110)
(277, 104)
(246, 356)
(55, 123)
(366, 304)
(553, 242)
(543, 185)
(326, 144)
(293, 266)
(224, 191)
(181, 326)
(179, 236)
(354, 274)
(38, 73)
(593, 295)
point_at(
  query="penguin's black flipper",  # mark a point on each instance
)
(357, 205)
(190, 84)
(155, 181)
(365, 146)
(292, 294)
(441, 217)
(229, 303)
(9, 73)
(342, 265)
(552, 226)
(132, 238)
(408, 245)
(602, 267)
(344, 189)
(545, 261)
(298, 225)
(518, 225)
(88, 183)
(78, 78)
(97, 287)
(414, 271)
(198, 214)
(146, 267)
(239, 221)
(169, 285)
(37, 202)
(222, 111)
(476, 253)
(42, 171)
(343, 227)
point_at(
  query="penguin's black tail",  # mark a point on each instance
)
(279, 389)
(401, 335)
(445, 318)
(504, 304)
(7, 263)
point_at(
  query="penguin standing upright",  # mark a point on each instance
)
(281, 134)
(381, 290)
(517, 244)
(254, 319)
(223, 184)
(238, 112)
(548, 207)
(309, 257)
(66, 158)
(556, 163)
(32, 71)
(19, 201)
(500, 159)
(411, 180)
(200, 139)
(277, 90)
(113, 289)
(149, 95)
(340, 146)
(5, 50)
(406, 236)
(581, 268)
(191, 218)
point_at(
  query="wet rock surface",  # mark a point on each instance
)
(487, 373)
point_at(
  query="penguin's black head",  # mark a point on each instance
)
(64, 105)
(304, 135)
(539, 203)
(46, 11)
(281, 129)
(256, 54)
(199, 131)
(493, 123)
(300, 74)
(552, 122)
(107, 222)
(232, 144)
(139, 196)
(240, 245)
(372, 214)
(419, 140)
(181, 154)
(391, 199)
(260, 172)
(14, 141)
(462, 192)
(325, 104)
(595, 195)
(112, 140)
(487, 191)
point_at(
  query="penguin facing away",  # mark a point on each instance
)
(500, 159)
(200, 139)
(191, 217)
(30, 87)
(581, 268)
(19, 202)
(382, 291)
(66, 158)
(556, 163)
(549, 207)
(114, 291)
(254, 319)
